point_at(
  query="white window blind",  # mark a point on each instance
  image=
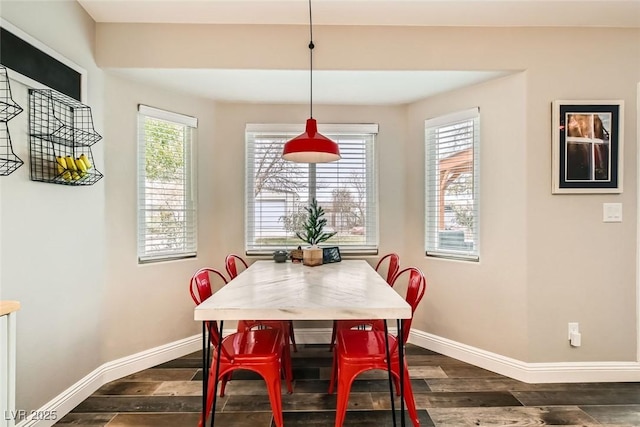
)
(452, 187)
(166, 185)
(277, 191)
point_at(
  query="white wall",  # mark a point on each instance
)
(468, 300)
(580, 269)
(53, 236)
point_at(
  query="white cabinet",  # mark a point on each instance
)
(8, 313)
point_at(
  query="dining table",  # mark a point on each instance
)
(268, 290)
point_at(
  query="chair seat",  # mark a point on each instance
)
(256, 345)
(282, 327)
(365, 346)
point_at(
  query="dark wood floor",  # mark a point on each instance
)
(447, 392)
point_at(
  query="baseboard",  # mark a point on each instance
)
(110, 371)
(529, 372)
(526, 372)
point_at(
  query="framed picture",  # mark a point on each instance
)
(331, 254)
(587, 146)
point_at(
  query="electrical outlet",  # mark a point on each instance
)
(574, 327)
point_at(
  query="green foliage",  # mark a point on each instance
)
(164, 150)
(464, 216)
(462, 190)
(294, 221)
(314, 225)
(164, 169)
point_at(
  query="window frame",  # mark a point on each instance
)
(333, 131)
(467, 249)
(189, 224)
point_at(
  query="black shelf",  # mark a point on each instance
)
(60, 126)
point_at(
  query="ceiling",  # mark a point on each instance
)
(346, 87)
(618, 13)
(292, 87)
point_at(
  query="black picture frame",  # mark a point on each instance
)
(331, 254)
(587, 146)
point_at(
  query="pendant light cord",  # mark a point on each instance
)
(311, 46)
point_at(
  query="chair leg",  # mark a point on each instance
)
(409, 399)
(210, 393)
(345, 379)
(223, 383)
(275, 398)
(408, 391)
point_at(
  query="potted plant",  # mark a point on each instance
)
(313, 234)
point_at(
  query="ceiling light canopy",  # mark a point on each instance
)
(311, 146)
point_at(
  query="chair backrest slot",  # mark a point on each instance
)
(392, 267)
(232, 264)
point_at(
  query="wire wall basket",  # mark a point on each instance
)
(61, 135)
(9, 162)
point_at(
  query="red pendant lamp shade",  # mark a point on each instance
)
(311, 146)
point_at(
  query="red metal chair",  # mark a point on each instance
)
(201, 286)
(358, 351)
(258, 350)
(235, 262)
(201, 289)
(391, 269)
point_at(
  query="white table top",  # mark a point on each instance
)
(267, 290)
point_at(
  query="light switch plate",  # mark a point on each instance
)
(612, 212)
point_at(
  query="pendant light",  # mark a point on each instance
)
(311, 146)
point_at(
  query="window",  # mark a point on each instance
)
(166, 185)
(452, 170)
(277, 191)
